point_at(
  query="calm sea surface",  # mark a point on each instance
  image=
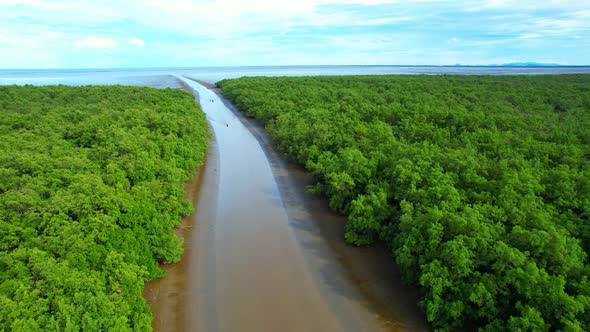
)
(165, 77)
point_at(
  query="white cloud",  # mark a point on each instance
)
(350, 18)
(7, 40)
(528, 5)
(237, 31)
(214, 19)
(222, 18)
(136, 42)
(96, 42)
(32, 3)
(530, 36)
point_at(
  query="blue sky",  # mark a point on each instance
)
(169, 33)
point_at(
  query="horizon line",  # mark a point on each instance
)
(507, 65)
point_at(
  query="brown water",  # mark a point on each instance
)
(168, 297)
(265, 255)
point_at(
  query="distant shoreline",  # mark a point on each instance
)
(165, 77)
(21, 70)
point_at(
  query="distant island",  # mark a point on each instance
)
(517, 64)
(528, 64)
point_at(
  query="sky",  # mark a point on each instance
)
(209, 33)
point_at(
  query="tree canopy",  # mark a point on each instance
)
(91, 187)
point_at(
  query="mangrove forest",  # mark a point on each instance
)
(91, 187)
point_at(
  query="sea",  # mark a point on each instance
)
(166, 77)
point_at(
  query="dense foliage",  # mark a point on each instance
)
(91, 186)
(479, 185)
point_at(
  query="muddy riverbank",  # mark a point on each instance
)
(172, 298)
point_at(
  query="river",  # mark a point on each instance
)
(265, 255)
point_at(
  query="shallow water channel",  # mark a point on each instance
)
(262, 254)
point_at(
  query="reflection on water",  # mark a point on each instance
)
(164, 77)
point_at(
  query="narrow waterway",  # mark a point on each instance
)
(264, 255)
